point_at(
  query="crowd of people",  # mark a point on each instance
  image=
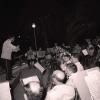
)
(87, 54)
(62, 61)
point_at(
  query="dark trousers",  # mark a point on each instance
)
(7, 64)
(30, 63)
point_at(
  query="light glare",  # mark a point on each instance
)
(33, 25)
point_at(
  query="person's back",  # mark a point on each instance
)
(61, 92)
(58, 90)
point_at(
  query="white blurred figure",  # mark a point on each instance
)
(60, 91)
(6, 55)
(33, 88)
(33, 91)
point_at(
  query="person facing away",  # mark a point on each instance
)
(69, 70)
(60, 91)
(6, 55)
(33, 90)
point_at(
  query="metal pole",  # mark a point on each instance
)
(35, 43)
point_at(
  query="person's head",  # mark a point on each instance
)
(30, 48)
(55, 44)
(77, 45)
(58, 76)
(65, 57)
(12, 38)
(88, 41)
(34, 87)
(69, 68)
(63, 44)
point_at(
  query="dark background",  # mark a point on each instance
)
(56, 20)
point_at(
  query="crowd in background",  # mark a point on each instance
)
(59, 63)
(62, 61)
(87, 53)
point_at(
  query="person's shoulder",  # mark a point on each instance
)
(68, 90)
(7, 41)
(65, 86)
(62, 87)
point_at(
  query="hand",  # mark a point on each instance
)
(18, 48)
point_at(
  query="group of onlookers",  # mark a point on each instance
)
(61, 62)
(68, 60)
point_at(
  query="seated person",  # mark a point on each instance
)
(60, 91)
(30, 54)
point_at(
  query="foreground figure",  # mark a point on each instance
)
(60, 91)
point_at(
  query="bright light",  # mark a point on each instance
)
(33, 25)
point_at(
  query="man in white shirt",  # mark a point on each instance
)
(60, 91)
(6, 55)
(69, 70)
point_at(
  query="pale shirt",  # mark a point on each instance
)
(70, 81)
(7, 49)
(79, 66)
(61, 92)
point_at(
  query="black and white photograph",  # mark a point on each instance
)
(49, 50)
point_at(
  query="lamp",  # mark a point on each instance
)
(34, 26)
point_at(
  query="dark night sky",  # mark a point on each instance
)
(56, 20)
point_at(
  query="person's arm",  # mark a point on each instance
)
(79, 66)
(14, 48)
(77, 63)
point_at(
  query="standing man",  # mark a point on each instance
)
(6, 55)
